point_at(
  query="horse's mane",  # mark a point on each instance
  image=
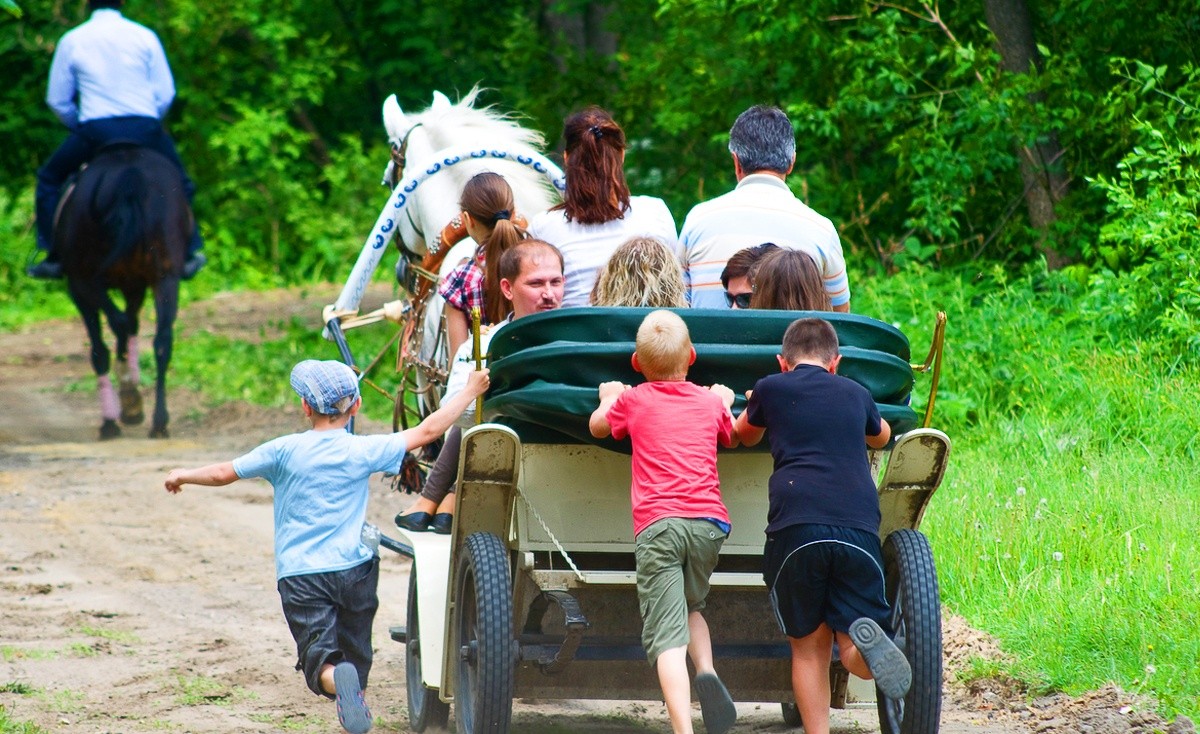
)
(463, 124)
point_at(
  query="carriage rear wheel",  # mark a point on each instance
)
(425, 709)
(912, 592)
(484, 691)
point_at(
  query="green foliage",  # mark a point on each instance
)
(8, 725)
(1061, 526)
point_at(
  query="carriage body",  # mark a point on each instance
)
(534, 592)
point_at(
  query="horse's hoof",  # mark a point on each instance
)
(159, 432)
(131, 405)
(109, 429)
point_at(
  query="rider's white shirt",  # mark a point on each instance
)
(115, 67)
(586, 248)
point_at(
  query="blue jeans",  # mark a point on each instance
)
(79, 147)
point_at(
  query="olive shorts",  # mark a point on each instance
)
(675, 558)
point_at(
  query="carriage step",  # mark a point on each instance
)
(399, 633)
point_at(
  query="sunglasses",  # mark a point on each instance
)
(741, 300)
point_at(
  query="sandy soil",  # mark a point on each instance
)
(125, 609)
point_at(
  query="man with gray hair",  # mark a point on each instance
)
(760, 209)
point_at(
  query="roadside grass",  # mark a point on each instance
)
(120, 636)
(1067, 525)
(202, 690)
(8, 725)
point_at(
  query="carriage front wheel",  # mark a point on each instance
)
(425, 709)
(484, 690)
(912, 592)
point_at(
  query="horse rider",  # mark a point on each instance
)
(109, 82)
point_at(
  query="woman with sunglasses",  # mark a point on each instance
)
(735, 278)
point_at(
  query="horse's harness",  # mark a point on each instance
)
(399, 162)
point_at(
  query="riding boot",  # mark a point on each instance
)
(195, 259)
(48, 269)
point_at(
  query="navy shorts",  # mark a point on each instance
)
(331, 615)
(824, 573)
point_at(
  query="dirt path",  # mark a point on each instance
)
(125, 609)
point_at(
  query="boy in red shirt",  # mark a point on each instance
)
(679, 520)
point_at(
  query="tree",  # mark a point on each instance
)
(1041, 161)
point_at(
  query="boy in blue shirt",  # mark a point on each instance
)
(822, 562)
(327, 577)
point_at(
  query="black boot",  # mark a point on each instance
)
(192, 265)
(48, 269)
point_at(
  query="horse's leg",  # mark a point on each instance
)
(128, 370)
(166, 304)
(90, 313)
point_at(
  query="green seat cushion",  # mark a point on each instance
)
(737, 366)
(706, 326)
(546, 368)
(544, 412)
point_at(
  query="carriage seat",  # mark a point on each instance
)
(545, 368)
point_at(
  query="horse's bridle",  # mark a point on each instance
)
(400, 161)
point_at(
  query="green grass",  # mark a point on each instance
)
(8, 725)
(1068, 520)
(200, 690)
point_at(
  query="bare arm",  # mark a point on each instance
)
(213, 475)
(881, 440)
(844, 308)
(440, 420)
(458, 329)
(598, 423)
(743, 430)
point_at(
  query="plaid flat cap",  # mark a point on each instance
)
(328, 386)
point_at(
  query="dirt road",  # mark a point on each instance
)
(125, 609)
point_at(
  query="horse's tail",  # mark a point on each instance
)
(123, 216)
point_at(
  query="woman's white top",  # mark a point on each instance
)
(586, 248)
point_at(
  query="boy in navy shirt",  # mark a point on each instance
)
(822, 561)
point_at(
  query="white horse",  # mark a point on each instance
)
(421, 136)
(447, 144)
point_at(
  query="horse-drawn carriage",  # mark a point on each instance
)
(533, 592)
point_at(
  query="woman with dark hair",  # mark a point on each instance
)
(788, 280)
(488, 217)
(597, 213)
(735, 278)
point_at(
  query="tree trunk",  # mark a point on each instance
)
(1042, 167)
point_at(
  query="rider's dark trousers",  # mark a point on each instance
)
(81, 144)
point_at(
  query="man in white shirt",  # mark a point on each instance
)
(109, 81)
(760, 209)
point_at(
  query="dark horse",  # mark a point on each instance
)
(125, 227)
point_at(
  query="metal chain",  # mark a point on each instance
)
(537, 516)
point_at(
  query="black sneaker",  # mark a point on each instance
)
(45, 270)
(192, 265)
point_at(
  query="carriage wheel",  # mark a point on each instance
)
(484, 690)
(425, 709)
(912, 592)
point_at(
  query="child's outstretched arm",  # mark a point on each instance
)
(880, 440)
(213, 475)
(745, 431)
(598, 423)
(440, 420)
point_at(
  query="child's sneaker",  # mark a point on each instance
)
(716, 705)
(352, 709)
(888, 665)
